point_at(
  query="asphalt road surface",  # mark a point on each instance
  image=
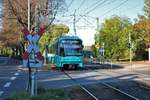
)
(14, 77)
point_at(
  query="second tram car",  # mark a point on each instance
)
(68, 52)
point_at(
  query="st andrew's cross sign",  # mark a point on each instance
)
(32, 57)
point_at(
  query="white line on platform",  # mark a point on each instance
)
(7, 84)
(16, 74)
(12, 78)
(1, 92)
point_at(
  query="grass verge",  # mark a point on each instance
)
(50, 94)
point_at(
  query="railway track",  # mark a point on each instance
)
(129, 94)
(140, 89)
(81, 86)
(122, 95)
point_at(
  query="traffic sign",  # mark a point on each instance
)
(101, 49)
(32, 57)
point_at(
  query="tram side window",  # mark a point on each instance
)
(62, 52)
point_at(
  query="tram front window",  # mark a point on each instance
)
(71, 48)
(73, 52)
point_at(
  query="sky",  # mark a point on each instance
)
(86, 12)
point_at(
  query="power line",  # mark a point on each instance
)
(89, 7)
(95, 7)
(101, 6)
(70, 3)
(87, 20)
(83, 1)
(129, 8)
(115, 7)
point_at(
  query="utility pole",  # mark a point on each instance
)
(130, 47)
(74, 23)
(29, 15)
(97, 20)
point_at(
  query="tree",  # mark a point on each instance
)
(53, 32)
(142, 30)
(114, 33)
(147, 7)
(15, 16)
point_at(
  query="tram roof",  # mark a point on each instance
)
(69, 37)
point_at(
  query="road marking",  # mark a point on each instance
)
(7, 84)
(1, 92)
(12, 78)
(18, 70)
(16, 74)
(20, 66)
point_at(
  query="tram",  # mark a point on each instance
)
(67, 52)
(88, 56)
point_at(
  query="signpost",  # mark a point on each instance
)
(32, 58)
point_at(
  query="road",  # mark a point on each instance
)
(9, 72)
(14, 77)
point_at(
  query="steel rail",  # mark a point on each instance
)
(114, 87)
(119, 91)
(137, 73)
(81, 86)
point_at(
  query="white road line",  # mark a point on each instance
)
(7, 84)
(19, 66)
(12, 78)
(1, 92)
(16, 74)
(18, 70)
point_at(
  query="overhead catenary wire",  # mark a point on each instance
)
(129, 8)
(70, 3)
(108, 10)
(92, 5)
(114, 8)
(83, 1)
(97, 6)
(87, 21)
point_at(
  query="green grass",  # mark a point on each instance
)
(51, 94)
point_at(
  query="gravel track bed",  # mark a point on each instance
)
(105, 93)
(133, 88)
(76, 93)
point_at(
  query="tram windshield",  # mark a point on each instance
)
(72, 48)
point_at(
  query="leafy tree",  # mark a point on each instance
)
(147, 7)
(15, 15)
(53, 32)
(142, 30)
(114, 34)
